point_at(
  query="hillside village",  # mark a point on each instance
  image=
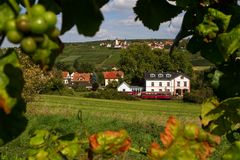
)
(123, 44)
(171, 83)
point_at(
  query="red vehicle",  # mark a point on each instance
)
(158, 95)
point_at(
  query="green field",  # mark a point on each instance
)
(103, 57)
(144, 119)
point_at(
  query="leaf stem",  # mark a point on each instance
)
(15, 6)
(27, 5)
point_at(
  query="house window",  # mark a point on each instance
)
(185, 83)
(152, 75)
(168, 90)
(160, 75)
(168, 75)
(182, 77)
(152, 84)
(160, 90)
(178, 83)
(152, 90)
(160, 84)
(124, 90)
(168, 84)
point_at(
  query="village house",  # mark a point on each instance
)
(168, 82)
(79, 79)
(120, 44)
(124, 87)
(112, 76)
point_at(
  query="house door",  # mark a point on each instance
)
(178, 92)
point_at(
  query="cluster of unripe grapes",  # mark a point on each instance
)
(35, 31)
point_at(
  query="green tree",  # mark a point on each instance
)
(83, 67)
(136, 60)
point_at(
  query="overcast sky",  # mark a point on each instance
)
(119, 23)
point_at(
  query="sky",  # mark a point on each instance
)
(119, 23)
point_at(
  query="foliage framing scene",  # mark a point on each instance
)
(44, 128)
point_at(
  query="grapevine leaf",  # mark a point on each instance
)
(86, 15)
(229, 42)
(6, 13)
(223, 118)
(12, 106)
(216, 78)
(212, 53)
(233, 152)
(228, 85)
(51, 5)
(186, 3)
(197, 143)
(195, 44)
(190, 20)
(233, 10)
(154, 12)
(101, 3)
(208, 106)
(109, 142)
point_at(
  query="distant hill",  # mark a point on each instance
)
(103, 57)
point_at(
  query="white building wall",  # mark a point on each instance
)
(157, 87)
(181, 80)
(123, 87)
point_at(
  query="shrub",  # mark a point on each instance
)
(110, 94)
(198, 96)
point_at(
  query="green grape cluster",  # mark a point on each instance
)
(36, 33)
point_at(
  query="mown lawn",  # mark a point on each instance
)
(144, 120)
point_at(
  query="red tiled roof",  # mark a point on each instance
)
(81, 77)
(64, 74)
(113, 75)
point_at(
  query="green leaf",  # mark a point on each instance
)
(208, 106)
(86, 15)
(51, 5)
(223, 118)
(12, 106)
(39, 137)
(186, 3)
(195, 44)
(212, 53)
(190, 20)
(233, 152)
(229, 42)
(229, 85)
(154, 12)
(216, 78)
(6, 13)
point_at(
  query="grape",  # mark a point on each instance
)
(14, 36)
(37, 10)
(28, 45)
(23, 23)
(50, 18)
(10, 25)
(38, 25)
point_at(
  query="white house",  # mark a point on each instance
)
(171, 82)
(124, 87)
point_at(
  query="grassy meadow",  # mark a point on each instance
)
(143, 119)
